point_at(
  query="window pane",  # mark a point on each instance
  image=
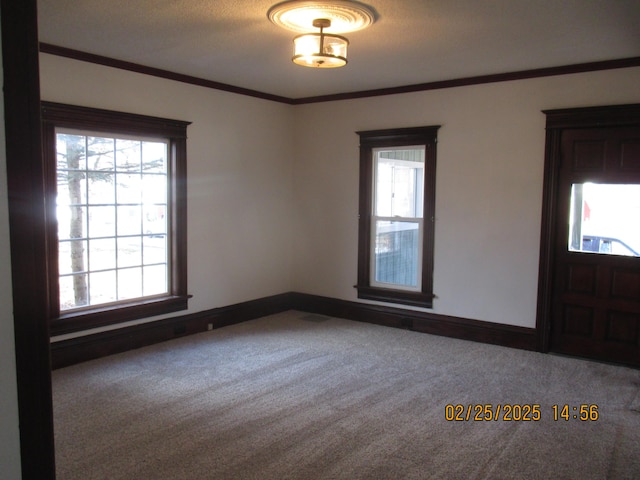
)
(72, 257)
(72, 187)
(102, 287)
(155, 280)
(127, 155)
(129, 252)
(154, 249)
(154, 188)
(64, 258)
(128, 188)
(102, 254)
(604, 219)
(154, 157)
(102, 222)
(101, 191)
(129, 220)
(100, 154)
(397, 253)
(70, 150)
(399, 182)
(73, 291)
(129, 283)
(71, 222)
(155, 219)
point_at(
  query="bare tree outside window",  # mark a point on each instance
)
(111, 208)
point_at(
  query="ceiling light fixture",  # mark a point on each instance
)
(325, 49)
(322, 50)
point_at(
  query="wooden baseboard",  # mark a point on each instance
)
(426, 322)
(88, 347)
(80, 349)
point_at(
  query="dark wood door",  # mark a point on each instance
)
(595, 309)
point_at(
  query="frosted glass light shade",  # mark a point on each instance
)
(321, 50)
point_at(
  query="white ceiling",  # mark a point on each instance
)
(412, 42)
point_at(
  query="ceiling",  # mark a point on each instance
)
(412, 42)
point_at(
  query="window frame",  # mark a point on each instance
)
(399, 137)
(57, 115)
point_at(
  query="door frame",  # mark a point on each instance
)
(558, 121)
(27, 239)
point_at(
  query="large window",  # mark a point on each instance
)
(397, 197)
(116, 213)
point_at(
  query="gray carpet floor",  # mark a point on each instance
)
(301, 396)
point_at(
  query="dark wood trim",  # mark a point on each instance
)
(547, 235)
(365, 204)
(156, 72)
(97, 345)
(587, 117)
(178, 220)
(557, 121)
(420, 87)
(478, 80)
(425, 322)
(388, 295)
(99, 317)
(27, 236)
(398, 137)
(88, 347)
(100, 120)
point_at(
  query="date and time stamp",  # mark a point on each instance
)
(488, 412)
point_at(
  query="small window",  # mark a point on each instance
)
(397, 209)
(397, 217)
(116, 214)
(603, 219)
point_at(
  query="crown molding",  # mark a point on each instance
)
(420, 87)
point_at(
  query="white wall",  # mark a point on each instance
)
(9, 433)
(266, 179)
(489, 186)
(240, 161)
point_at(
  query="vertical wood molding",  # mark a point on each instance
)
(547, 234)
(27, 236)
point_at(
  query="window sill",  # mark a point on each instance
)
(113, 314)
(416, 299)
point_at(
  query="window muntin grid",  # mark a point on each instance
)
(112, 216)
